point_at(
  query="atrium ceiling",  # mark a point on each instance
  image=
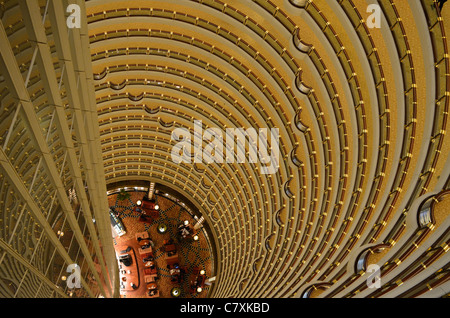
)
(362, 175)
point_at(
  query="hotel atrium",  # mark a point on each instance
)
(93, 204)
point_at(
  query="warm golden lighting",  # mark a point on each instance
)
(308, 146)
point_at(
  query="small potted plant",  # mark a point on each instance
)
(123, 195)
